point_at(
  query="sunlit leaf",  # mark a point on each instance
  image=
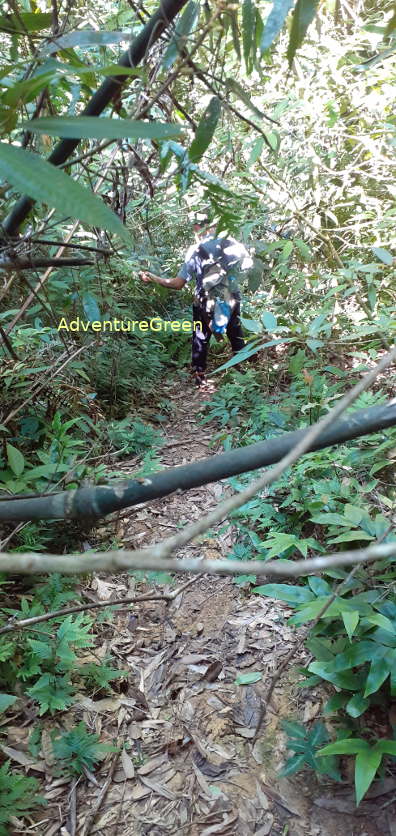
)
(248, 678)
(303, 248)
(269, 320)
(85, 37)
(274, 22)
(391, 26)
(384, 255)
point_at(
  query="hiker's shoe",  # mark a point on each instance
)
(199, 378)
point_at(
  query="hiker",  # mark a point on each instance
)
(214, 264)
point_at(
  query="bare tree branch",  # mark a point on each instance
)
(27, 623)
(154, 559)
(38, 263)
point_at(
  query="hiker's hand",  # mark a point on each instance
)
(145, 277)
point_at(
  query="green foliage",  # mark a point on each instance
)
(306, 746)
(133, 436)
(18, 794)
(98, 677)
(205, 130)
(48, 666)
(78, 750)
(121, 375)
(47, 184)
(90, 127)
(184, 26)
(274, 22)
(368, 759)
(6, 700)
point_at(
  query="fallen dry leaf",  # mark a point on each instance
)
(23, 759)
(127, 765)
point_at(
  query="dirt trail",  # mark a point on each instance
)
(191, 767)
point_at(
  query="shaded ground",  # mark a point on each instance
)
(190, 765)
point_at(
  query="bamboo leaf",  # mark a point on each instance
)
(248, 27)
(24, 91)
(269, 320)
(183, 28)
(25, 22)
(379, 671)
(248, 678)
(356, 705)
(5, 701)
(91, 307)
(274, 22)
(351, 620)
(235, 33)
(85, 37)
(101, 127)
(366, 767)
(348, 746)
(238, 90)
(16, 460)
(31, 175)
(303, 15)
(205, 130)
(384, 255)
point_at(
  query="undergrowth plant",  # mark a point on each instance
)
(18, 795)
(44, 662)
(77, 750)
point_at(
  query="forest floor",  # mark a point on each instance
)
(190, 765)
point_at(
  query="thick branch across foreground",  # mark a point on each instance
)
(95, 502)
(150, 559)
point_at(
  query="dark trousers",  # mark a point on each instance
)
(201, 338)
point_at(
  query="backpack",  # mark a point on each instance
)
(220, 286)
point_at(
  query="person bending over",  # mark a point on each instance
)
(213, 264)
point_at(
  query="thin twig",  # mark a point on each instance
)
(73, 808)
(89, 821)
(119, 602)
(151, 560)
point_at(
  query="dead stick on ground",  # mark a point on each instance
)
(90, 820)
(73, 808)
(38, 619)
